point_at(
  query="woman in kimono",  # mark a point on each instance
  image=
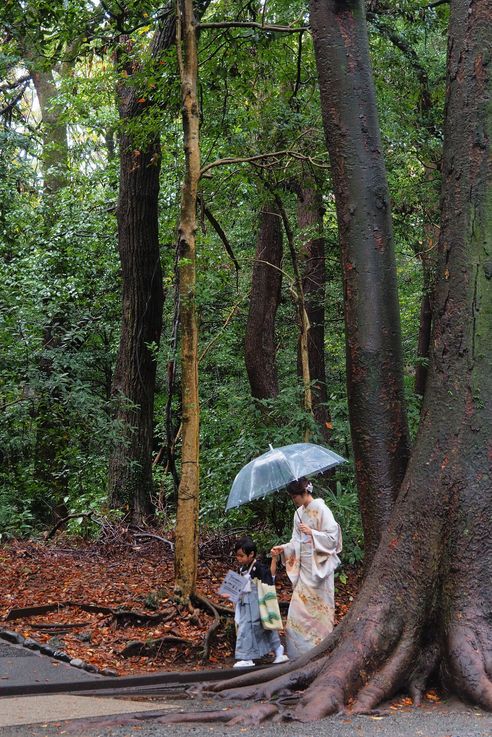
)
(310, 559)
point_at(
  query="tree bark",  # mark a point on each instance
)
(130, 483)
(425, 603)
(374, 363)
(188, 492)
(260, 346)
(130, 465)
(310, 221)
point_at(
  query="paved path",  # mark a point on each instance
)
(19, 666)
(44, 716)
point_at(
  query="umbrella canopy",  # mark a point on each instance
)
(277, 468)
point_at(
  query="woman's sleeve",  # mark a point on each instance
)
(326, 535)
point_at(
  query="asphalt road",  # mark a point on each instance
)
(448, 719)
(47, 715)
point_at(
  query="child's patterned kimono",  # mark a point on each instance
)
(252, 641)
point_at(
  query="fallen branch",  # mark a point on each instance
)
(65, 519)
(143, 535)
(151, 647)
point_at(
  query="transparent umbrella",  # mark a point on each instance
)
(277, 468)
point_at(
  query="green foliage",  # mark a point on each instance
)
(59, 268)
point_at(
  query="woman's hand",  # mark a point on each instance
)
(276, 550)
(306, 529)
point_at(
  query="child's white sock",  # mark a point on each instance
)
(279, 651)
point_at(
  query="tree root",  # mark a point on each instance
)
(207, 605)
(151, 647)
(236, 716)
(251, 716)
(348, 669)
(468, 663)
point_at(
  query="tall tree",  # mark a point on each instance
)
(51, 414)
(425, 603)
(310, 222)
(133, 387)
(373, 347)
(266, 283)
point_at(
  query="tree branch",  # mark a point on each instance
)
(262, 157)
(220, 232)
(250, 24)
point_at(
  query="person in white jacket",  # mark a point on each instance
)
(310, 558)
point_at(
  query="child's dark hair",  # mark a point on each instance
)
(246, 544)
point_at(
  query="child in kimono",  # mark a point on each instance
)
(252, 640)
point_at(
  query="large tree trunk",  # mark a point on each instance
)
(426, 601)
(374, 363)
(130, 465)
(260, 348)
(310, 221)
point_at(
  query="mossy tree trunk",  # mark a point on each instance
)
(188, 490)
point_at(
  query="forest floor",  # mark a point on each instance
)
(110, 604)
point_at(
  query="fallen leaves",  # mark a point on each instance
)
(119, 595)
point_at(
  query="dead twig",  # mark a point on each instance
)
(51, 533)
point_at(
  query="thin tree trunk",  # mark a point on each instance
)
(310, 221)
(429, 264)
(423, 344)
(298, 295)
(260, 345)
(374, 362)
(188, 492)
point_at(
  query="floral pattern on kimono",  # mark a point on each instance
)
(310, 565)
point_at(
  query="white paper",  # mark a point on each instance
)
(233, 585)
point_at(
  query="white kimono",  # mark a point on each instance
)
(310, 564)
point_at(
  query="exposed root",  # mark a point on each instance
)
(385, 682)
(207, 605)
(257, 677)
(239, 716)
(283, 684)
(466, 666)
(349, 667)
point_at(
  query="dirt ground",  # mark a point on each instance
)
(110, 604)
